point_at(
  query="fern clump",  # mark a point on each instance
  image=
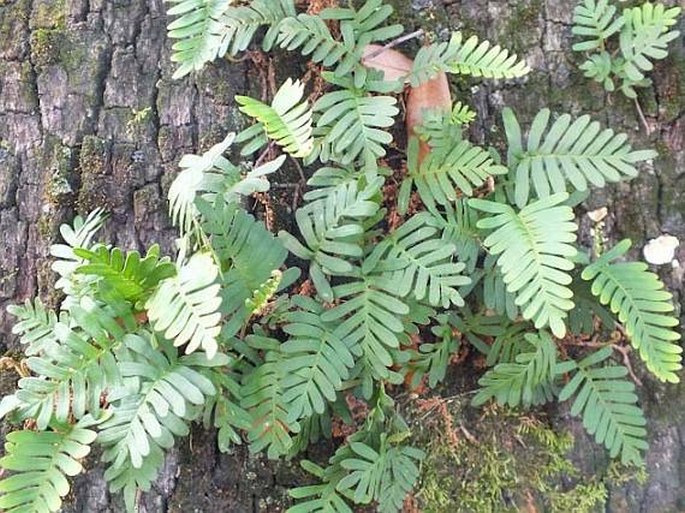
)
(644, 33)
(394, 271)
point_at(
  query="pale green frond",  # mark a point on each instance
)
(567, 155)
(185, 307)
(240, 24)
(198, 29)
(594, 20)
(465, 58)
(419, 262)
(40, 462)
(527, 380)
(608, 404)
(35, 325)
(440, 128)
(534, 248)
(643, 307)
(287, 121)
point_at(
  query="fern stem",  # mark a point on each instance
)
(395, 42)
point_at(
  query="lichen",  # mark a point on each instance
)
(49, 14)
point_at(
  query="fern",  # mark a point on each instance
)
(237, 237)
(315, 362)
(76, 371)
(594, 20)
(199, 30)
(369, 320)
(458, 224)
(608, 405)
(262, 393)
(350, 125)
(131, 276)
(329, 227)
(575, 152)
(526, 381)
(36, 325)
(441, 128)
(637, 296)
(186, 307)
(445, 170)
(161, 394)
(287, 121)
(534, 250)
(40, 461)
(240, 24)
(645, 35)
(420, 263)
(465, 58)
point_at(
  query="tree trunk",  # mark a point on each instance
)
(89, 117)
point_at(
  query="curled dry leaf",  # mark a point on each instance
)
(431, 95)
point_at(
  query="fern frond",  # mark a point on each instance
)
(40, 460)
(352, 125)
(237, 237)
(186, 307)
(458, 224)
(645, 35)
(608, 405)
(315, 361)
(441, 128)
(575, 152)
(35, 325)
(370, 321)
(534, 248)
(594, 20)
(496, 297)
(262, 395)
(445, 170)
(162, 393)
(287, 121)
(643, 306)
(432, 359)
(326, 181)
(131, 276)
(240, 24)
(322, 497)
(79, 236)
(331, 229)
(199, 31)
(418, 262)
(526, 381)
(465, 58)
(73, 374)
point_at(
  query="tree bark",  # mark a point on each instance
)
(89, 117)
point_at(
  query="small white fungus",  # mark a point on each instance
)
(661, 250)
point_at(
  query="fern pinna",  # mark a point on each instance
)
(478, 251)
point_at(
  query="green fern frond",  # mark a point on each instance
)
(608, 405)
(287, 121)
(643, 306)
(496, 297)
(534, 248)
(445, 170)
(369, 318)
(575, 152)
(185, 307)
(36, 326)
(73, 374)
(331, 229)
(594, 19)
(419, 262)
(131, 276)
(39, 461)
(199, 31)
(326, 181)
(263, 396)
(322, 497)
(80, 235)
(237, 237)
(240, 24)
(162, 393)
(433, 358)
(465, 58)
(644, 36)
(315, 362)
(351, 125)
(458, 224)
(526, 381)
(441, 128)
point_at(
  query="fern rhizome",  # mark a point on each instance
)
(472, 249)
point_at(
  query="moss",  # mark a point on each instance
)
(523, 20)
(46, 45)
(506, 462)
(49, 14)
(92, 165)
(59, 163)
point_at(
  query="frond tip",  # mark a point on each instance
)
(642, 304)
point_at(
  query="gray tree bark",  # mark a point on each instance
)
(89, 116)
